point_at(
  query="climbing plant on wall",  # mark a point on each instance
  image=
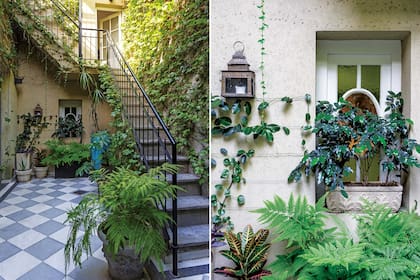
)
(7, 50)
(168, 50)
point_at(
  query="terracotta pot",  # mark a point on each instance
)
(125, 265)
(391, 196)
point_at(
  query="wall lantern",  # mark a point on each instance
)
(38, 111)
(18, 80)
(238, 81)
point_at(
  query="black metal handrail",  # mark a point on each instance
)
(96, 47)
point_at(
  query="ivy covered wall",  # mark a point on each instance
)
(166, 43)
(7, 52)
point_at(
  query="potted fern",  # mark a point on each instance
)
(127, 217)
(347, 133)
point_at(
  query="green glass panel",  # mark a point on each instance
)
(347, 78)
(351, 177)
(371, 79)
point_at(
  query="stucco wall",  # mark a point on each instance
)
(290, 69)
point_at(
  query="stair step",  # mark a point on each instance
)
(190, 202)
(192, 236)
(192, 210)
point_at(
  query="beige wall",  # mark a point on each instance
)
(8, 124)
(290, 70)
(41, 87)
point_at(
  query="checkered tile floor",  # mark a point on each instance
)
(32, 234)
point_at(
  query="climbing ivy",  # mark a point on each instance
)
(122, 149)
(7, 50)
(168, 50)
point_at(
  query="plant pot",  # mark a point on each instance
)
(23, 175)
(23, 159)
(391, 196)
(41, 171)
(125, 265)
(67, 170)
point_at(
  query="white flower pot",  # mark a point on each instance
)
(391, 196)
(23, 175)
(41, 171)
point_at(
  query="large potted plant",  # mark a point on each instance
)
(128, 217)
(344, 133)
(28, 138)
(66, 157)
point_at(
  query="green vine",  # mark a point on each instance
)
(122, 150)
(168, 50)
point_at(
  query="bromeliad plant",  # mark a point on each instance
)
(345, 132)
(248, 251)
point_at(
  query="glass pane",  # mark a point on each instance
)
(106, 25)
(236, 85)
(347, 78)
(114, 36)
(114, 23)
(371, 79)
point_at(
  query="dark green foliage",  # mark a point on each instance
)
(345, 132)
(231, 175)
(388, 245)
(68, 127)
(248, 251)
(127, 212)
(61, 153)
(32, 129)
(122, 150)
(227, 125)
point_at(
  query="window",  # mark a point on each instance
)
(361, 72)
(69, 122)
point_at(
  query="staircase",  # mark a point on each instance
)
(188, 236)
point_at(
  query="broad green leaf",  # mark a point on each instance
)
(263, 105)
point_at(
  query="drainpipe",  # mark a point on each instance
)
(80, 28)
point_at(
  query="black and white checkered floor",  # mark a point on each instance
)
(32, 233)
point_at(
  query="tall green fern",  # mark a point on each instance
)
(126, 209)
(296, 222)
(388, 246)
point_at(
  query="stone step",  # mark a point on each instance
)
(192, 210)
(190, 182)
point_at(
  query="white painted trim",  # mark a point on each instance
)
(365, 92)
(386, 53)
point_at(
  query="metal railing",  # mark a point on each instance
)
(95, 47)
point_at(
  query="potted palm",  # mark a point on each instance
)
(127, 217)
(347, 133)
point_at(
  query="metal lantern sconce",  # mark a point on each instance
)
(238, 81)
(38, 111)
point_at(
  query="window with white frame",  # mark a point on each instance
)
(70, 119)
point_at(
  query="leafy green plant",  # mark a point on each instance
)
(68, 126)
(169, 52)
(62, 153)
(248, 251)
(126, 211)
(122, 150)
(231, 175)
(32, 129)
(387, 247)
(345, 132)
